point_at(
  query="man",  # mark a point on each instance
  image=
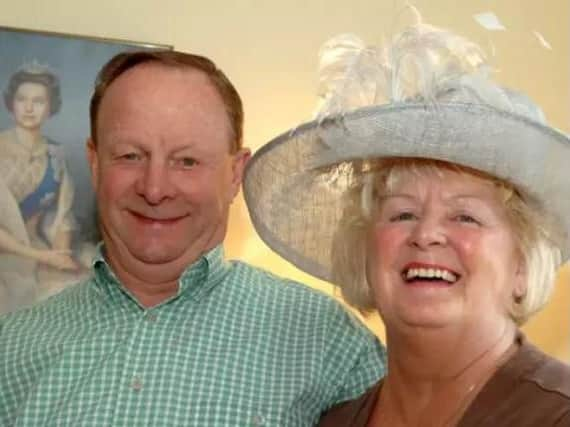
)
(165, 332)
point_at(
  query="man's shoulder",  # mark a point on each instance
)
(260, 276)
(264, 283)
(285, 297)
(48, 312)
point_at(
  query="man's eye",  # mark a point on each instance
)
(403, 216)
(130, 156)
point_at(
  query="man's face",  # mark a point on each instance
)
(162, 167)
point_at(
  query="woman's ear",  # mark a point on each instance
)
(521, 280)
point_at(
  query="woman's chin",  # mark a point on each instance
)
(30, 127)
(420, 318)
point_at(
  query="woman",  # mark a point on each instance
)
(36, 192)
(433, 195)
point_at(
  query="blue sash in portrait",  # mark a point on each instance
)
(46, 193)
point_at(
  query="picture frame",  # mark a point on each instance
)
(33, 264)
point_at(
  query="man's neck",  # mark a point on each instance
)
(147, 292)
(151, 284)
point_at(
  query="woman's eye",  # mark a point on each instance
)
(187, 162)
(402, 216)
(466, 218)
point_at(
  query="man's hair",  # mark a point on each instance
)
(125, 61)
(34, 74)
(535, 233)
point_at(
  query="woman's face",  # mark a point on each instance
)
(30, 105)
(442, 253)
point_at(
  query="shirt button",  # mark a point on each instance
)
(151, 317)
(136, 384)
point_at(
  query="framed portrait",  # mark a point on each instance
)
(48, 226)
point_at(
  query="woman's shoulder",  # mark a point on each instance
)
(10, 150)
(549, 374)
(530, 389)
(7, 135)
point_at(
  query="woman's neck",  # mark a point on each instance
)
(434, 376)
(29, 137)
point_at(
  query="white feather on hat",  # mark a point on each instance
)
(427, 94)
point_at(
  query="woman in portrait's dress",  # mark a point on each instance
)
(36, 193)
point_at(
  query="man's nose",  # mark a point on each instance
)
(155, 183)
(428, 232)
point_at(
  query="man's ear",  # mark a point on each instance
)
(93, 161)
(239, 162)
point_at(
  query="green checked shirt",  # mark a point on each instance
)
(236, 346)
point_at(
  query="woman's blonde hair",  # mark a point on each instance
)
(534, 231)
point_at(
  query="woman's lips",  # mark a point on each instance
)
(423, 273)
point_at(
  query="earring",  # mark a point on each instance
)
(518, 295)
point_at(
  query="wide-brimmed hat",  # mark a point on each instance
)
(426, 94)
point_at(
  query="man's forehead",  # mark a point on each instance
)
(158, 98)
(154, 76)
(160, 88)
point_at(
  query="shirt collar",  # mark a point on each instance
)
(195, 282)
(204, 274)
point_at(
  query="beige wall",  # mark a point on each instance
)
(269, 48)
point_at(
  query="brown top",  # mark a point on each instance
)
(530, 389)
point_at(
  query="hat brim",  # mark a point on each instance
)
(296, 209)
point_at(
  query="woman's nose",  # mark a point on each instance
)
(428, 232)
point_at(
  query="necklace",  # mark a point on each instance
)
(469, 395)
(475, 387)
(463, 405)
